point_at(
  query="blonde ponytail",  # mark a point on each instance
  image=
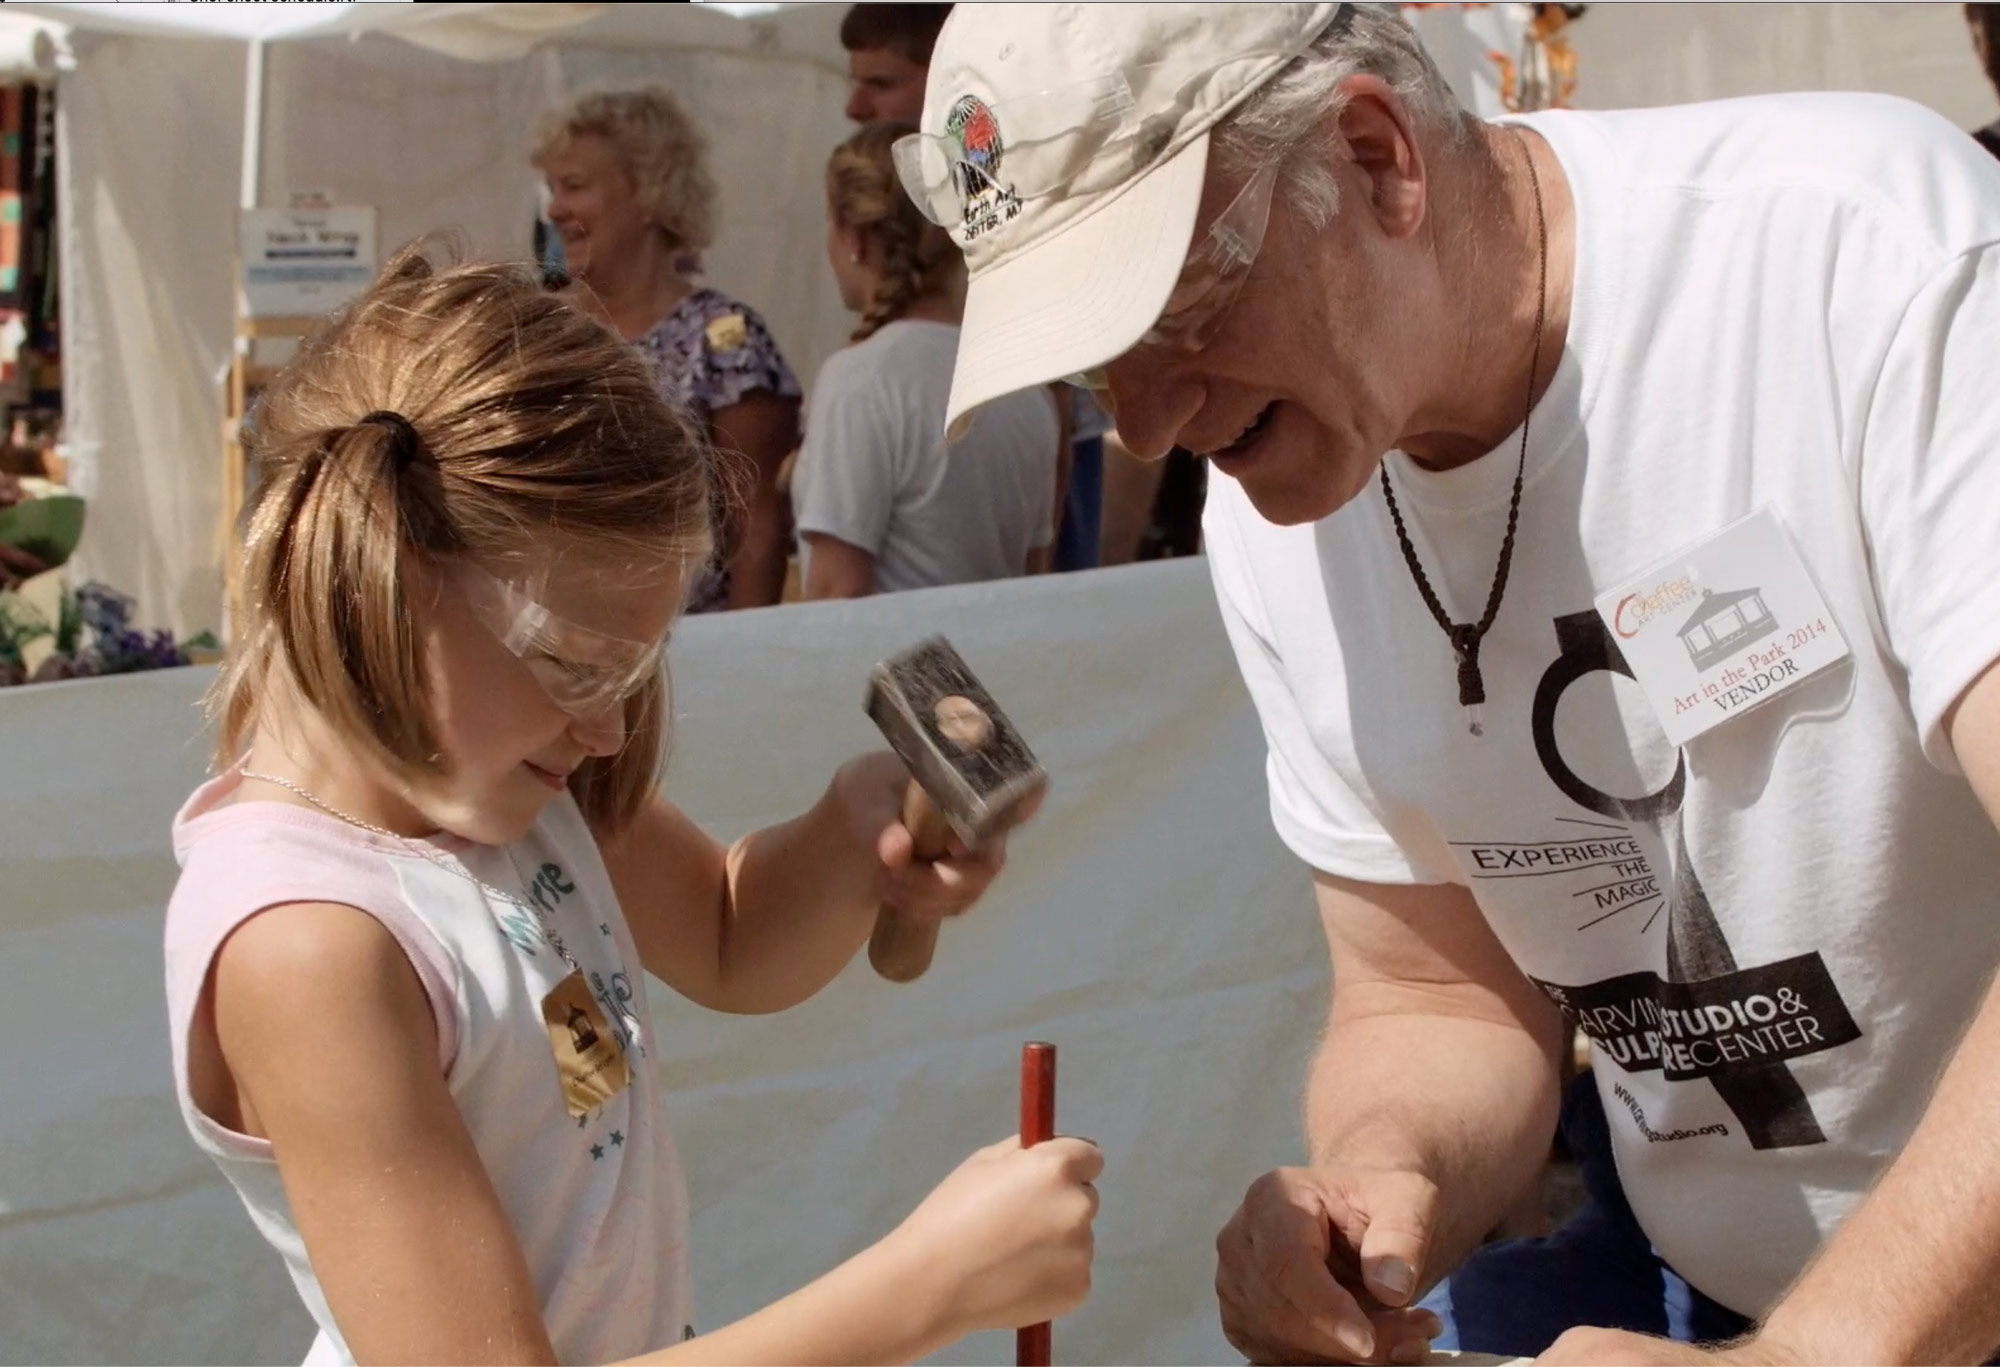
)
(452, 410)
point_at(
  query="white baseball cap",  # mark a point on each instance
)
(1065, 146)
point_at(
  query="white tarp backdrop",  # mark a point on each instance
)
(1149, 923)
(1653, 54)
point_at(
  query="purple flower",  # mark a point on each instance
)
(95, 636)
(104, 610)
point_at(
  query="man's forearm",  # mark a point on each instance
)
(1909, 1276)
(1471, 1104)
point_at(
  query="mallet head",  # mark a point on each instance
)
(959, 746)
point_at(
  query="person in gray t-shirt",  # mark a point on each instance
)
(882, 501)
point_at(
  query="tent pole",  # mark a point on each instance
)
(234, 477)
(253, 123)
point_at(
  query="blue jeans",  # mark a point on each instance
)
(1083, 508)
(1516, 1297)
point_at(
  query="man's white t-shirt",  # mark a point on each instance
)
(875, 471)
(1774, 934)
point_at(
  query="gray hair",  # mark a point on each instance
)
(1283, 122)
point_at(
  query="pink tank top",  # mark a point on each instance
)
(591, 1183)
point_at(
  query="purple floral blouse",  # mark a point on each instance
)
(710, 352)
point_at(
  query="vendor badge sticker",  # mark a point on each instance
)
(588, 1056)
(1723, 626)
(727, 332)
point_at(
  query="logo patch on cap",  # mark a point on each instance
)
(989, 201)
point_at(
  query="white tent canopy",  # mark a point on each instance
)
(423, 111)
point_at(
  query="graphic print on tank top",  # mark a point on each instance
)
(592, 1017)
(1708, 1018)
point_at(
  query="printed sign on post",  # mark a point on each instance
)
(304, 261)
(1723, 626)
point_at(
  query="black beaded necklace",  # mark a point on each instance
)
(1465, 636)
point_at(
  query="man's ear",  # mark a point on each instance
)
(1375, 127)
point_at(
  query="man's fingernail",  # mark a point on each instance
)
(1433, 1326)
(1414, 1350)
(1358, 1343)
(1394, 1276)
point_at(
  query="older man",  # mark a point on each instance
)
(1608, 529)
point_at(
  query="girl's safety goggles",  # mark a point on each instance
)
(585, 672)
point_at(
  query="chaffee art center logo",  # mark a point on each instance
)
(989, 201)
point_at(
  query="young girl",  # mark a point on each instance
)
(880, 502)
(407, 955)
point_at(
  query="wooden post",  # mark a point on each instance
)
(246, 379)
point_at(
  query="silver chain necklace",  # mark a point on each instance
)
(549, 932)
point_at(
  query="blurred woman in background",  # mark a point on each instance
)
(633, 202)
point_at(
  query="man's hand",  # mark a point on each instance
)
(1431, 1101)
(1319, 1264)
(1616, 1348)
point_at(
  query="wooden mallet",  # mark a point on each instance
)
(971, 775)
(1032, 1342)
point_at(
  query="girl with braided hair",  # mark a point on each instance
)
(882, 501)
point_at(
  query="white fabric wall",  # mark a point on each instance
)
(1149, 924)
(1631, 55)
(425, 138)
(1459, 40)
(146, 195)
(461, 134)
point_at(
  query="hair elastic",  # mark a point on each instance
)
(408, 445)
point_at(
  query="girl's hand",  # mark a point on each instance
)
(871, 788)
(1006, 1239)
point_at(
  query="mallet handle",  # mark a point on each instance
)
(1032, 1342)
(900, 947)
